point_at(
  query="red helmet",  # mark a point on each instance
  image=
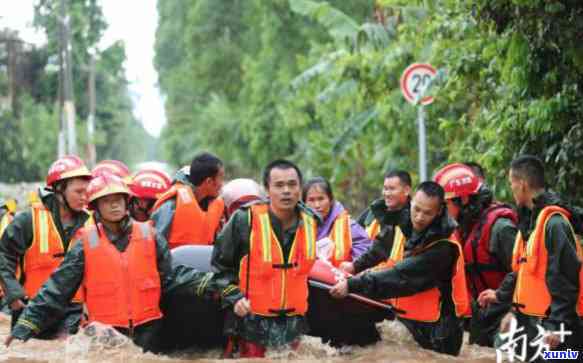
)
(458, 180)
(150, 183)
(114, 167)
(70, 166)
(106, 184)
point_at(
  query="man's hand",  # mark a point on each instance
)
(340, 290)
(17, 305)
(347, 267)
(242, 307)
(505, 323)
(9, 340)
(487, 297)
(552, 340)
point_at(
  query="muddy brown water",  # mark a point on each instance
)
(397, 346)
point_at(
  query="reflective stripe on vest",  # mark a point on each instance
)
(277, 287)
(342, 238)
(122, 289)
(426, 305)
(530, 261)
(45, 253)
(191, 225)
(373, 229)
(5, 221)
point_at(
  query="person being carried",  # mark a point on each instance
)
(424, 276)
(343, 238)
(340, 239)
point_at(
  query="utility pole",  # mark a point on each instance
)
(69, 104)
(62, 141)
(91, 153)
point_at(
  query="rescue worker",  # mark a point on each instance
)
(424, 276)
(147, 186)
(123, 267)
(191, 212)
(487, 231)
(383, 218)
(339, 239)
(34, 244)
(7, 210)
(239, 193)
(267, 250)
(544, 287)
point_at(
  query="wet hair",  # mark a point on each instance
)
(279, 164)
(433, 190)
(404, 177)
(204, 165)
(531, 169)
(476, 168)
(319, 182)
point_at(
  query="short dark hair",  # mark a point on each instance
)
(279, 164)
(476, 168)
(403, 176)
(319, 182)
(432, 189)
(204, 165)
(531, 169)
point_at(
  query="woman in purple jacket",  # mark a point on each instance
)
(339, 237)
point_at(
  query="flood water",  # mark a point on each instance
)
(397, 346)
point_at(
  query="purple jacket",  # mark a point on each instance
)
(360, 240)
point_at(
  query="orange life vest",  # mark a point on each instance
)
(530, 260)
(277, 287)
(121, 288)
(5, 221)
(191, 224)
(45, 253)
(426, 305)
(342, 238)
(373, 229)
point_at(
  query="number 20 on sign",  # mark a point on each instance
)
(415, 80)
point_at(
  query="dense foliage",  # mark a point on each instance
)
(30, 128)
(318, 82)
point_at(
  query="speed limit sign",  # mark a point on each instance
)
(415, 80)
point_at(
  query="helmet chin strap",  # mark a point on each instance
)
(63, 200)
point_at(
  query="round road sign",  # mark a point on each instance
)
(415, 80)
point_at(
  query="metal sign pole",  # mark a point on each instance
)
(422, 137)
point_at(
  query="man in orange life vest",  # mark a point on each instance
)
(192, 212)
(7, 209)
(382, 219)
(268, 249)
(424, 275)
(487, 230)
(34, 244)
(123, 268)
(544, 287)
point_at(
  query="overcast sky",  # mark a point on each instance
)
(136, 26)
